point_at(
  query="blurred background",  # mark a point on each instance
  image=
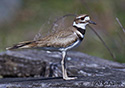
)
(21, 20)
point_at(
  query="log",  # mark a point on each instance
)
(37, 68)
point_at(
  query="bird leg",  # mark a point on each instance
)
(65, 76)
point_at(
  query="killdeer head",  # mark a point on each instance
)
(82, 20)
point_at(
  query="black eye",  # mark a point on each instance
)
(82, 18)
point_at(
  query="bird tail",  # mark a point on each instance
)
(26, 44)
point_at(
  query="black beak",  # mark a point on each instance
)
(91, 22)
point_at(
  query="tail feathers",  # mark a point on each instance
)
(27, 44)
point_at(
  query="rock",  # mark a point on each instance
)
(35, 68)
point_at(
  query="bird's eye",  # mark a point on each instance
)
(82, 18)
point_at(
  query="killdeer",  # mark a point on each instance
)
(62, 40)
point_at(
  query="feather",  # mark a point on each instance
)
(26, 44)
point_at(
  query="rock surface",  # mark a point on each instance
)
(36, 69)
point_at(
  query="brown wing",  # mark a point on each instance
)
(60, 39)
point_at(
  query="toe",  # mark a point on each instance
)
(70, 78)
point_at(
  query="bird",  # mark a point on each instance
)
(62, 40)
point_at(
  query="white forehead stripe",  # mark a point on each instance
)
(79, 17)
(86, 18)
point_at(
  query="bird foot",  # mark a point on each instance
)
(69, 78)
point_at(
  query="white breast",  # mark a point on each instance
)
(80, 25)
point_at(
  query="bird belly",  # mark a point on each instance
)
(75, 44)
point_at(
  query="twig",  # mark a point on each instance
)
(113, 56)
(120, 24)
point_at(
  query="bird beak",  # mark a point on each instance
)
(91, 22)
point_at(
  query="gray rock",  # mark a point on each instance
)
(36, 69)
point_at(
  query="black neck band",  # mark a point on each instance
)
(80, 30)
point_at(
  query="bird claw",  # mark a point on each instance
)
(69, 78)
